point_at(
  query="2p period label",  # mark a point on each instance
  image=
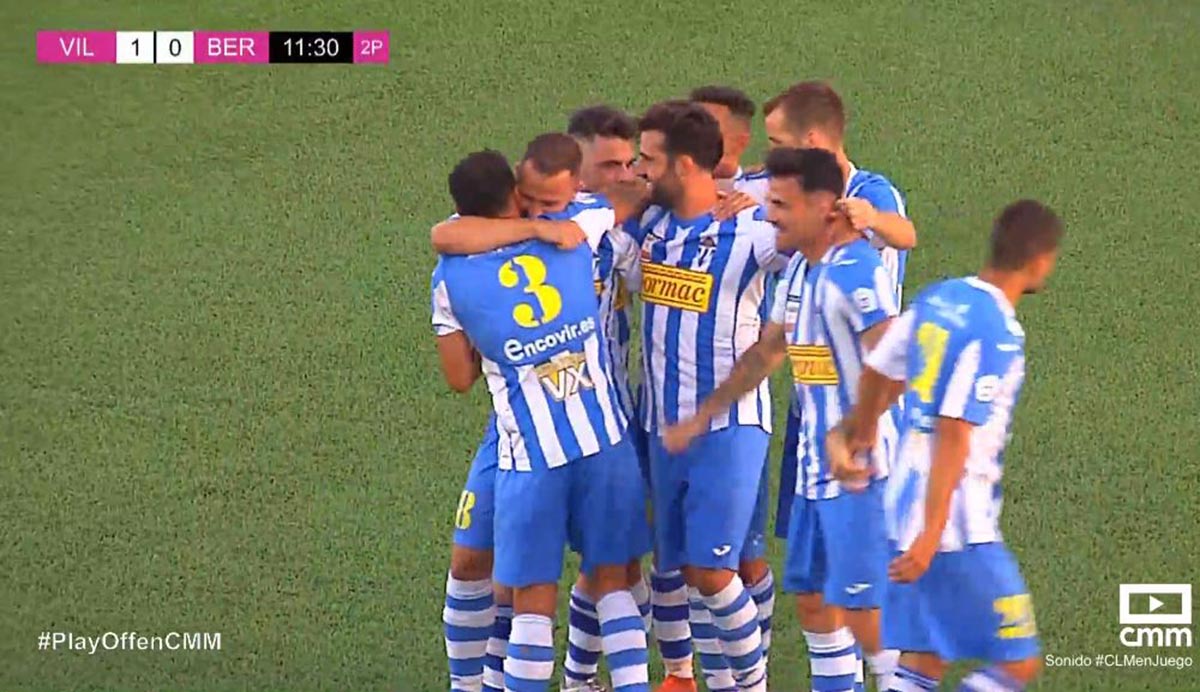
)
(201, 47)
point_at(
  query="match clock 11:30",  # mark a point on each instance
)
(312, 46)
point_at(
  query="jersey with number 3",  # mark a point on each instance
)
(530, 310)
(961, 352)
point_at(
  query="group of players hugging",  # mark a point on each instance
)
(893, 450)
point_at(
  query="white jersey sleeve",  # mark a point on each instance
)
(762, 235)
(890, 355)
(444, 320)
(594, 214)
(627, 258)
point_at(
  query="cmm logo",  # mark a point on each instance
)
(1156, 604)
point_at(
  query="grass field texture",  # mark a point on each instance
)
(219, 400)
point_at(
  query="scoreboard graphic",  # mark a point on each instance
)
(192, 47)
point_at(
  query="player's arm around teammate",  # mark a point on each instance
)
(811, 114)
(477, 614)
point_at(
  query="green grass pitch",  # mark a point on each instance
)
(220, 408)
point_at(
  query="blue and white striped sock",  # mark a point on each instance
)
(990, 679)
(905, 680)
(467, 620)
(624, 641)
(860, 675)
(717, 674)
(881, 666)
(736, 618)
(583, 639)
(832, 659)
(497, 649)
(763, 594)
(669, 604)
(529, 664)
(641, 596)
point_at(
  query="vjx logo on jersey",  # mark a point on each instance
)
(1156, 604)
(564, 375)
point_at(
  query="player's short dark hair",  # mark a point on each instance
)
(601, 121)
(1024, 230)
(688, 130)
(482, 184)
(553, 153)
(735, 100)
(813, 169)
(808, 105)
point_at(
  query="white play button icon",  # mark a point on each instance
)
(1155, 604)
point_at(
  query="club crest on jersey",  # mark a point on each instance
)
(565, 375)
(675, 287)
(812, 365)
(706, 251)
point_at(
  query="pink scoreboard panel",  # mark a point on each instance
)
(192, 47)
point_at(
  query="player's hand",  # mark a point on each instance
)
(566, 235)
(912, 564)
(845, 464)
(731, 204)
(677, 438)
(862, 214)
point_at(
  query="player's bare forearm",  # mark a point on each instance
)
(871, 337)
(461, 364)
(951, 444)
(876, 392)
(468, 235)
(895, 230)
(628, 198)
(755, 365)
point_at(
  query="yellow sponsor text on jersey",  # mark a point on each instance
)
(565, 375)
(675, 287)
(812, 365)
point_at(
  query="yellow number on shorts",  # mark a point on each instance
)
(549, 300)
(1016, 613)
(462, 516)
(932, 340)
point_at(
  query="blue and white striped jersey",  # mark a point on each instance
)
(824, 313)
(616, 271)
(961, 352)
(885, 197)
(531, 312)
(753, 184)
(703, 287)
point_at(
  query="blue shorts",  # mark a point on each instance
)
(477, 504)
(789, 467)
(596, 505)
(704, 498)
(839, 549)
(970, 604)
(755, 546)
(639, 436)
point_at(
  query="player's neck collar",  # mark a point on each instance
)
(850, 175)
(997, 294)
